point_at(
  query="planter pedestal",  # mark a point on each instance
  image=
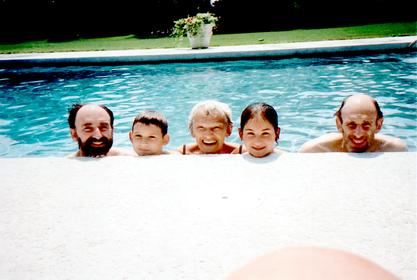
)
(202, 39)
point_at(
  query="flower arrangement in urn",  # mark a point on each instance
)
(197, 28)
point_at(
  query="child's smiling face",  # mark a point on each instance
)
(147, 139)
(210, 133)
(259, 136)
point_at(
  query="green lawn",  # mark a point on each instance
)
(131, 42)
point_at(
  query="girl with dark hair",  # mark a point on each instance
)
(259, 130)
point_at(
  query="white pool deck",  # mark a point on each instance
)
(213, 53)
(201, 217)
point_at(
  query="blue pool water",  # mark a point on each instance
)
(305, 91)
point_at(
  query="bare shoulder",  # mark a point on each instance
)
(120, 152)
(236, 151)
(172, 152)
(231, 148)
(239, 149)
(181, 148)
(280, 151)
(74, 155)
(391, 144)
(187, 149)
(325, 143)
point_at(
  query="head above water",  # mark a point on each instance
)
(313, 263)
(92, 127)
(210, 123)
(359, 118)
(210, 108)
(76, 107)
(359, 99)
(267, 112)
(149, 133)
(259, 129)
(152, 117)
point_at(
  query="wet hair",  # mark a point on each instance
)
(76, 107)
(266, 111)
(211, 108)
(152, 117)
(379, 113)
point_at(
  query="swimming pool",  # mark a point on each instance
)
(305, 92)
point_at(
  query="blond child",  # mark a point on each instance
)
(210, 123)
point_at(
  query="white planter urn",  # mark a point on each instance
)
(202, 39)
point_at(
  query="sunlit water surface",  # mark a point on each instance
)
(305, 91)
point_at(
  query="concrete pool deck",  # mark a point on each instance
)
(201, 217)
(215, 53)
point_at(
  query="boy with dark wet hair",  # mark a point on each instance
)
(149, 133)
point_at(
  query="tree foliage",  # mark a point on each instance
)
(58, 20)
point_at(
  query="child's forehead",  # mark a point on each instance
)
(145, 127)
(258, 116)
(258, 122)
(206, 117)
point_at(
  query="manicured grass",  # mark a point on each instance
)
(131, 42)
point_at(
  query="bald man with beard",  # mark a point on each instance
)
(358, 121)
(91, 126)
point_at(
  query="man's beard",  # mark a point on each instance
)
(90, 151)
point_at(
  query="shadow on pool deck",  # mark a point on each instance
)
(319, 48)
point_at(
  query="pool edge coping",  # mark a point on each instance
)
(385, 44)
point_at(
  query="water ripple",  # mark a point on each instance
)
(305, 92)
